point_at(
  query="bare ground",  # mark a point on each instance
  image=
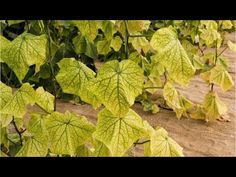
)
(197, 138)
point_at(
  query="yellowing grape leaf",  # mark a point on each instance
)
(3, 136)
(220, 76)
(108, 28)
(16, 106)
(198, 113)
(117, 85)
(76, 81)
(5, 94)
(140, 43)
(5, 119)
(24, 51)
(209, 36)
(197, 63)
(118, 133)
(161, 145)
(177, 102)
(100, 150)
(88, 28)
(116, 43)
(2, 154)
(133, 26)
(45, 99)
(83, 151)
(37, 141)
(206, 75)
(232, 46)
(209, 33)
(67, 132)
(172, 55)
(226, 24)
(213, 106)
(103, 47)
(3, 44)
(141, 61)
(209, 24)
(147, 149)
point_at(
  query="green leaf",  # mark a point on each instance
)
(82, 45)
(67, 132)
(220, 76)
(24, 51)
(3, 44)
(65, 23)
(16, 106)
(118, 133)
(213, 106)
(76, 81)
(161, 145)
(232, 46)
(172, 55)
(108, 29)
(3, 136)
(117, 85)
(37, 141)
(12, 22)
(45, 99)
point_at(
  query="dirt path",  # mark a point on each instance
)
(198, 138)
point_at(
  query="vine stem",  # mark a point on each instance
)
(50, 63)
(215, 61)
(222, 51)
(165, 76)
(141, 35)
(201, 50)
(18, 131)
(153, 87)
(5, 74)
(27, 25)
(138, 143)
(166, 108)
(126, 40)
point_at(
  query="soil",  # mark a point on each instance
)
(198, 138)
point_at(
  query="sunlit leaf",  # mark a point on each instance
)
(172, 55)
(117, 85)
(118, 133)
(67, 132)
